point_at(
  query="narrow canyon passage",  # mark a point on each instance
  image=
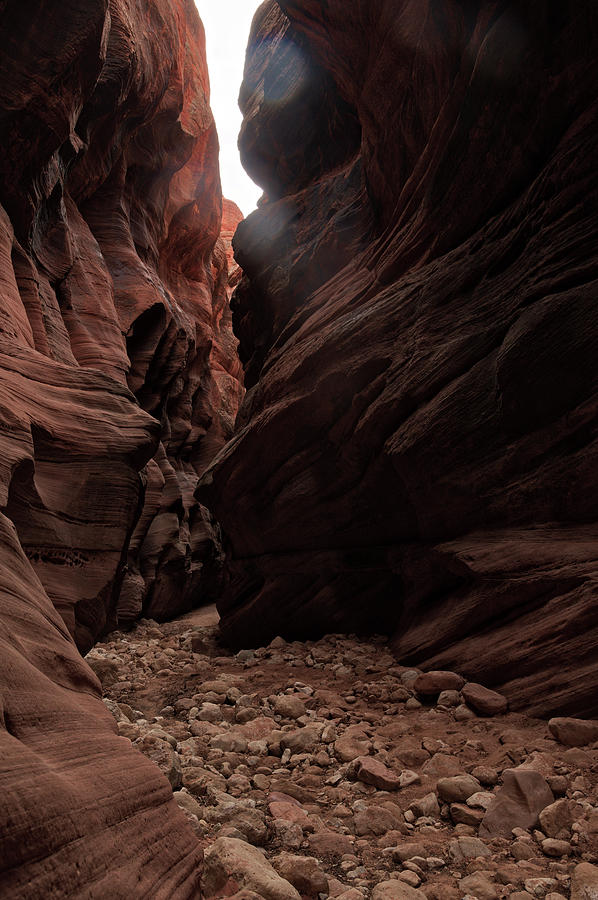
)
(299, 523)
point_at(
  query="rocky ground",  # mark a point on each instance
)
(326, 769)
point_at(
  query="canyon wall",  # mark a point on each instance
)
(417, 451)
(119, 380)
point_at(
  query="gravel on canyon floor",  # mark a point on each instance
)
(325, 769)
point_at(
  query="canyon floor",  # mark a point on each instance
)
(326, 769)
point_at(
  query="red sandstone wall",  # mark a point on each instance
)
(419, 327)
(119, 381)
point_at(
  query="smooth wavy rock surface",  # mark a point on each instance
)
(119, 380)
(419, 329)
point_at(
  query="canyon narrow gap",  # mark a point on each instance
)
(299, 520)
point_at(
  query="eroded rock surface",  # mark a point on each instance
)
(116, 346)
(119, 381)
(419, 330)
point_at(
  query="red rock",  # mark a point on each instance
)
(379, 820)
(395, 890)
(464, 815)
(457, 788)
(280, 797)
(433, 683)
(419, 325)
(372, 771)
(574, 732)
(522, 797)
(556, 819)
(231, 864)
(290, 812)
(584, 882)
(484, 701)
(114, 276)
(71, 790)
(303, 872)
(119, 381)
(329, 843)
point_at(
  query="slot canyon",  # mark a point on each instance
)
(299, 511)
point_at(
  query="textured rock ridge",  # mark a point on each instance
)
(419, 330)
(83, 814)
(119, 380)
(113, 262)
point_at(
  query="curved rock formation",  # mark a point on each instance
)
(119, 380)
(420, 334)
(112, 262)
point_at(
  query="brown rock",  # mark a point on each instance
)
(229, 862)
(522, 850)
(74, 769)
(302, 740)
(556, 819)
(584, 882)
(574, 732)
(329, 843)
(433, 683)
(466, 847)
(245, 894)
(486, 775)
(107, 670)
(552, 847)
(442, 891)
(426, 806)
(558, 784)
(351, 745)
(464, 815)
(457, 788)
(484, 701)
(518, 803)
(443, 765)
(164, 757)
(303, 872)
(289, 706)
(403, 852)
(372, 771)
(396, 890)
(378, 820)
(539, 887)
(479, 886)
(290, 812)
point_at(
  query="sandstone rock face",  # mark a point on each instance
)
(119, 374)
(419, 333)
(118, 382)
(82, 812)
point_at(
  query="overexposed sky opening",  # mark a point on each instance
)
(227, 24)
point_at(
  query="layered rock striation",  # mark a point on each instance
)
(119, 380)
(115, 278)
(419, 332)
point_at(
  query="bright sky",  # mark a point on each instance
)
(227, 24)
